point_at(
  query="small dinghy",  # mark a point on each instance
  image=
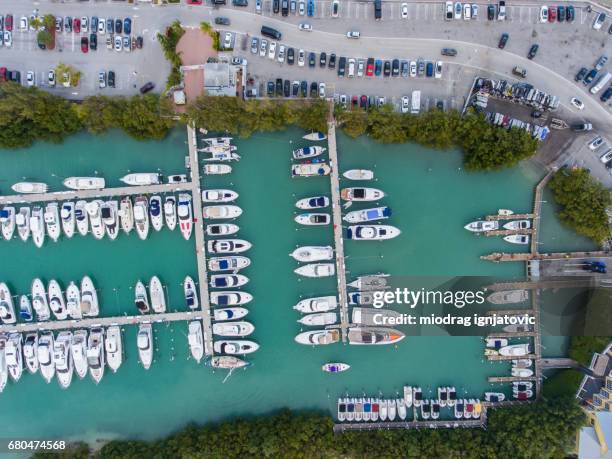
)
(228, 280)
(141, 179)
(233, 329)
(227, 362)
(520, 239)
(313, 219)
(230, 298)
(368, 215)
(221, 212)
(126, 214)
(170, 212)
(316, 270)
(225, 314)
(315, 136)
(141, 299)
(317, 304)
(68, 219)
(217, 169)
(228, 246)
(517, 225)
(312, 253)
(84, 183)
(480, 226)
(308, 152)
(191, 295)
(319, 319)
(235, 347)
(7, 222)
(310, 170)
(358, 174)
(315, 202)
(156, 212)
(219, 195)
(221, 229)
(361, 194)
(318, 337)
(335, 367)
(235, 264)
(52, 221)
(195, 340)
(141, 217)
(82, 218)
(22, 221)
(372, 232)
(185, 215)
(30, 187)
(156, 292)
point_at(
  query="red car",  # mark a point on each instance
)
(354, 101)
(8, 22)
(364, 102)
(194, 2)
(84, 44)
(76, 25)
(2, 73)
(552, 13)
(370, 67)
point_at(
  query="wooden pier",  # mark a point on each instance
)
(510, 312)
(495, 358)
(505, 232)
(542, 284)
(509, 379)
(502, 257)
(430, 424)
(557, 363)
(337, 222)
(503, 334)
(495, 218)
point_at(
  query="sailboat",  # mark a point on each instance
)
(37, 226)
(89, 298)
(141, 299)
(95, 218)
(44, 355)
(68, 218)
(52, 222)
(156, 292)
(157, 215)
(39, 300)
(84, 183)
(95, 354)
(144, 341)
(73, 301)
(313, 253)
(185, 215)
(141, 217)
(63, 358)
(126, 214)
(170, 212)
(191, 295)
(7, 308)
(113, 347)
(196, 340)
(56, 300)
(30, 352)
(78, 350)
(82, 217)
(141, 179)
(227, 362)
(110, 218)
(22, 220)
(7, 222)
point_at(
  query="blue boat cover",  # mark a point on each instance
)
(373, 214)
(221, 282)
(349, 233)
(386, 211)
(154, 207)
(189, 299)
(223, 264)
(4, 213)
(223, 300)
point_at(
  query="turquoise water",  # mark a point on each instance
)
(432, 198)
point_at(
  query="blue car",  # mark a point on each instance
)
(378, 67)
(127, 26)
(429, 69)
(311, 8)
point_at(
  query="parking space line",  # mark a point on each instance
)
(434, 10)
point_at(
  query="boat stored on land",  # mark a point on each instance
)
(316, 270)
(84, 183)
(358, 174)
(195, 340)
(235, 264)
(368, 215)
(481, 226)
(141, 179)
(314, 202)
(219, 195)
(310, 170)
(228, 246)
(317, 304)
(372, 232)
(318, 337)
(313, 219)
(308, 152)
(30, 187)
(313, 253)
(374, 335)
(360, 194)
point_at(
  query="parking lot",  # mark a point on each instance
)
(572, 267)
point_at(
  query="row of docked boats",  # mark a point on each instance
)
(221, 150)
(311, 164)
(75, 302)
(100, 218)
(517, 227)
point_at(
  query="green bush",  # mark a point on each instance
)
(168, 41)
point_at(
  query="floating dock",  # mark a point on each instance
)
(406, 425)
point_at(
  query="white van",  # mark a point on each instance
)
(351, 68)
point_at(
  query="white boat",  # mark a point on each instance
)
(113, 347)
(215, 148)
(335, 367)
(314, 202)
(373, 316)
(141, 179)
(30, 187)
(222, 154)
(517, 225)
(235, 264)
(109, 212)
(494, 397)
(78, 349)
(374, 336)
(68, 218)
(218, 141)
(84, 183)
(425, 410)
(230, 298)
(191, 294)
(219, 212)
(313, 219)
(156, 292)
(521, 239)
(126, 214)
(317, 304)
(313, 253)
(367, 215)
(367, 409)
(442, 395)
(435, 409)
(30, 352)
(518, 328)
(96, 354)
(221, 229)
(480, 226)
(370, 282)
(144, 341)
(316, 270)
(310, 170)
(25, 309)
(219, 195)
(383, 410)
(170, 212)
(89, 298)
(318, 337)
(82, 217)
(452, 396)
(37, 226)
(319, 319)
(235, 347)
(315, 136)
(13, 356)
(233, 329)
(392, 407)
(141, 299)
(408, 393)
(341, 410)
(522, 363)
(22, 221)
(185, 214)
(496, 343)
(517, 350)
(308, 152)
(224, 314)
(52, 221)
(417, 396)
(522, 394)
(361, 298)
(468, 408)
(141, 217)
(56, 300)
(93, 209)
(358, 174)
(505, 212)
(63, 358)
(195, 340)
(508, 296)
(228, 246)
(361, 194)
(44, 355)
(522, 372)
(7, 222)
(228, 280)
(459, 409)
(39, 300)
(401, 408)
(372, 232)
(156, 212)
(227, 362)
(7, 308)
(217, 169)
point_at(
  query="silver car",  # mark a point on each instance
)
(118, 43)
(127, 44)
(254, 45)
(102, 26)
(263, 47)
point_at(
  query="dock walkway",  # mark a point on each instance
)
(447, 424)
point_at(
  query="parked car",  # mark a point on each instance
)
(606, 95)
(543, 13)
(360, 67)
(596, 143)
(353, 34)
(84, 24)
(314, 89)
(118, 26)
(491, 12)
(387, 69)
(378, 65)
(589, 77)
(331, 63)
(290, 56)
(322, 90)
(370, 67)
(102, 79)
(51, 78)
(301, 58)
(30, 78)
(23, 24)
(240, 2)
(84, 44)
(533, 51)
(94, 24)
(102, 26)
(438, 70)
(449, 52)
(110, 25)
(341, 66)
(599, 20)
(429, 69)
(601, 62)
(581, 74)
(111, 79)
(118, 43)
(127, 44)
(287, 88)
(560, 13)
(335, 8)
(503, 40)
(147, 87)
(405, 105)
(93, 41)
(413, 69)
(304, 88)
(254, 45)
(570, 13)
(8, 38)
(8, 22)
(519, 71)
(76, 25)
(606, 157)
(312, 60)
(582, 127)
(449, 11)
(322, 59)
